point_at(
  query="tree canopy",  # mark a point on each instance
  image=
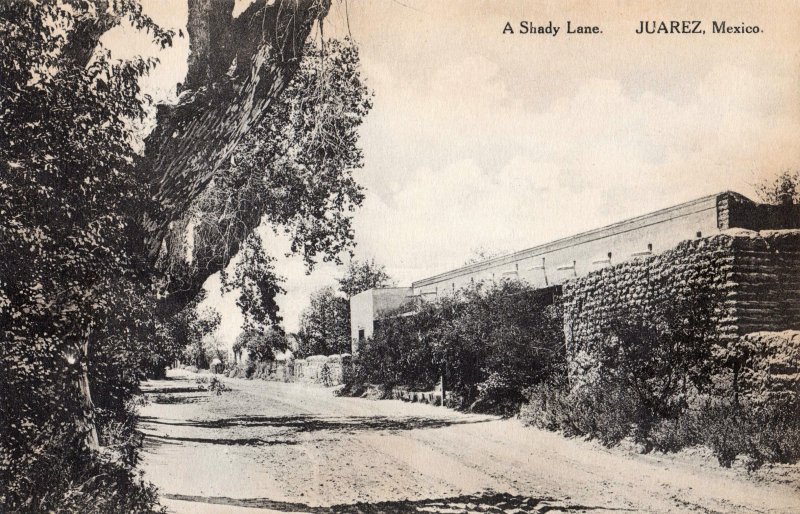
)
(325, 324)
(362, 275)
(783, 189)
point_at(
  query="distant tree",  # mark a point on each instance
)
(325, 325)
(363, 275)
(781, 190)
(261, 345)
(198, 326)
(215, 347)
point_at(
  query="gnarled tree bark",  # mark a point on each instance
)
(237, 68)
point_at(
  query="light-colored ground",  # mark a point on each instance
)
(275, 447)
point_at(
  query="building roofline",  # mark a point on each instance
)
(373, 289)
(581, 237)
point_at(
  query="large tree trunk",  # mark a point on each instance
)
(237, 68)
(86, 421)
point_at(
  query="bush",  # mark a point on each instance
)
(764, 434)
(603, 412)
(610, 414)
(81, 481)
(489, 344)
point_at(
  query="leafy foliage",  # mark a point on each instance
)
(781, 190)
(610, 412)
(258, 284)
(73, 307)
(363, 275)
(324, 325)
(261, 345)
(192, 328)
(294, 171)
(662, 356)
(489, 344)
(79, 293)
(666, 380)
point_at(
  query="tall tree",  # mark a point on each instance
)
(73, 308)
(240, 95)
(325, 324)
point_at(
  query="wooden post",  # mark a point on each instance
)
(441, 387)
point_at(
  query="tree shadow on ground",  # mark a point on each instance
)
(485, 502)
(345, 424)
(171, 390)
(242, 441)
(164, 399)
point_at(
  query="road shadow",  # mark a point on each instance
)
(345, 424)
(164, 399)
(485, 502)
(171, 390)
(241, 441)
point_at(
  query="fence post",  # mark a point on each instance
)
(441, 387)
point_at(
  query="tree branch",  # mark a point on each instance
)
(238, 68)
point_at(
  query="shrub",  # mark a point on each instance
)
(80, 481)
(610, 414)
(765, 434)
(489, 344)
(605, 412)
(249, 369)
(217, 386)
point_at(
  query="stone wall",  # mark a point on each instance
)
(772, 369)
(754, 275)
(327, 370)
(320, 369)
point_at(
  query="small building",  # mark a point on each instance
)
(372, 304)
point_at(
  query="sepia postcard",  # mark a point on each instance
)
(395, 256)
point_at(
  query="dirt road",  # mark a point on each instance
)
(274, 447)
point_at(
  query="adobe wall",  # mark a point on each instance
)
(576, 256)
(327, 370)
(772, 370)
(756, 274)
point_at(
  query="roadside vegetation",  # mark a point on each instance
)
(489, 343)
(98, 281)
(661, 378)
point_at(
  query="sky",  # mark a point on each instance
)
(483, 140)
